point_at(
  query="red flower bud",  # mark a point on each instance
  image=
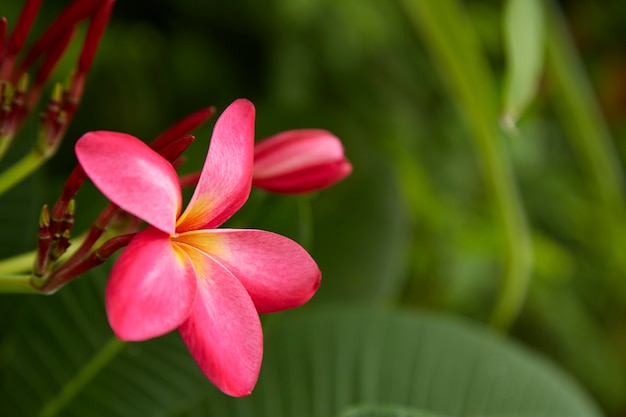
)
(299, 161)
(182, 128)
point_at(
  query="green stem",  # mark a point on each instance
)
(590, 138)
(75, 385)
(305, 223)
(21, 169)
(5, 141)
(450, 37)
(16, 284)
(578, 107)
(24, 261)
(18, 263)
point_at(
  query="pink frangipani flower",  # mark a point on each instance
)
(299, 161)
(183, 273)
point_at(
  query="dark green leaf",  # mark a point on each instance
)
(321, 364)
(386, 411)
(63, 361)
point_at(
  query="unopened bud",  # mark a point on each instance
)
(52, 123)
(94, 34)
(299, 161)
(44, 242)
(68, 218)
(22, 84)
(60, 246)
(182, 128)
(44, 217)
(173, 149)
(73, 183)
(51, 59)
(3, 34)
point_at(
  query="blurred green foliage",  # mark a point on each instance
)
(416, 224)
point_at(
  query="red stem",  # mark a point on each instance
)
(62, 276)
(95, 232)
(3, 36)
(18, 37)
(72, 14)
(73, 183)
(52, 58)
(94, 34)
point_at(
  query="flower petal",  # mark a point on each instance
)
(226, 177)
(133, 176)
(223, 332)
(276, 271)
(152, 287)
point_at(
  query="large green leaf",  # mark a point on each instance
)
(320, 364)
(386, 411)
(60, 359)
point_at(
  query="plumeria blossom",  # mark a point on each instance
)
(299, 161)
(181, 272)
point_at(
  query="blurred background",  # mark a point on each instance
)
(422, 221)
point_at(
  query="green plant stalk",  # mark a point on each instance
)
(451, 39)
(5, 141)
(588, 134)
(305, 221)
(16, 284)
(24, 262)
(18, 263)
(578, 105)
(107, 353)
(21, 169)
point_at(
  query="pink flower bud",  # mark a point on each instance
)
(299, 161)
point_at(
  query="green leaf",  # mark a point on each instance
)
(386, 411)
(524, 28)
(320, 364)
(60, 359)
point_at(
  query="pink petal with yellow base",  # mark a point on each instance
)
(223, 332)
(225, 180)
(152, 287)
(276, 271)
(133, 176)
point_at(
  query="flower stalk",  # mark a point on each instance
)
(16, 284)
